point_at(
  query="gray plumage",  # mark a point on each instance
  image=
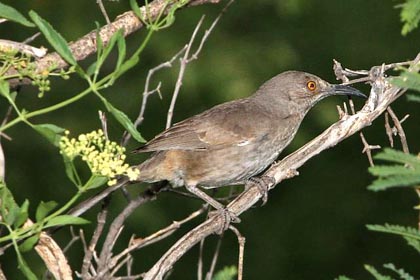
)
(234, 141)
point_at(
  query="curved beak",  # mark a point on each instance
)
(344, 90)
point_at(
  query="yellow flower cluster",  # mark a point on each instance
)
(104, 157)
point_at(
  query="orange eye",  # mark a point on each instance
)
(311, 85)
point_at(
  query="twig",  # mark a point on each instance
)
(400, 129)
(2, 276)
(182, 67)
(241, 243)
(5, 120)
(209, 274)
(52, 255)
(147, 92)
(73, 239)
(84, 206)
(388, 130)
(103, 11)
(86, 45)
(186, 59)
(200, 260)
(368, 149)
(341, 75)
(114, 231)
(157, 236)
(104, 124)
(87, 260)
(32, 38)
(22, 48)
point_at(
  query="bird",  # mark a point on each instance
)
(233, 142)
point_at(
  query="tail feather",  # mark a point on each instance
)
(152, 169)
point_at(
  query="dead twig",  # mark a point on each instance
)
(186, 59)
(148, 92)
(399, 129)
(241, 243)
(103, 11)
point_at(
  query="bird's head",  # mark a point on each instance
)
(302, 89)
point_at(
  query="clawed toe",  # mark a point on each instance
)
(263, 184)
(228, 217)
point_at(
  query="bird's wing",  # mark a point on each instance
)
(232, 123)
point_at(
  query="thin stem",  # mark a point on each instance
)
(45, 110)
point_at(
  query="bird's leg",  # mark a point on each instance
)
(263, 184)
(228, 216)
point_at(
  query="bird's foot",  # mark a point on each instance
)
(228, 218)
(263, 184)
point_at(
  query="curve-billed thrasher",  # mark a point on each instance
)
(234, 141)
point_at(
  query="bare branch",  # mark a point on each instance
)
(23, 48)
(182, 67)
(89, 251)
(147, 92)
(157, 236)
(52, 255)
(114, 231)
(241, 243)
(86, 45)
(399, 128)
(382, 94)
(103, 11)
(209, 274)
(186, 59)
(368, 149)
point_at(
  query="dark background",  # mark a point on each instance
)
(313, 226)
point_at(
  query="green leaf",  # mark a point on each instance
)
(70, 170)
(29, 243)
(111, 43)
(413, 98)
(95, 182)
(394, 181)
(227, 273)
(401, 273)
(376, 274)
(411, 235)
(54, 38)
(127, 65)
(50, 131)
(7, 204)
(406, 79)
(24, 268)
(414, 243)
(122, 118)
(63, 220)
(12, 14)
(396, 229)
(136, 9)
(388, 170)
(22, 216)
(398, 156)
(410, 15)
(43, 209)
(11, 214)
(5, 89)
(122, 50)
